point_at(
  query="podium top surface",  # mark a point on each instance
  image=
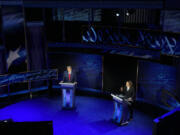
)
(68, 84)
(120, 99)
(117, 98)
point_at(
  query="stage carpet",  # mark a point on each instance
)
(92, 116)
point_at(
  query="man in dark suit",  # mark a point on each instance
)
(69, 76)
(68, 91)
(129, 93)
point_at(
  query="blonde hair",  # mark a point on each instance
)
(130, 83)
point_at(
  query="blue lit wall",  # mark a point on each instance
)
(157, 84)
(14, 41)
(171, 20)
(87, 66)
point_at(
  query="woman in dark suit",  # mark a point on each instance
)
(129, 93)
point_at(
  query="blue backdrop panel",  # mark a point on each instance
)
(36, 45)
(36, 48)
(167, 43)
(157, 84)
(171, 20)
(14, 41)
(87, 66)
(28, 76)
(2, 67)
(14, 38)
(2, 60)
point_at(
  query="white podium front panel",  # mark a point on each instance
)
(68, 95)
(121, 110)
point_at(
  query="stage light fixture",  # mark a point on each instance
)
(117, 14)
(130, 12)
(127, 14)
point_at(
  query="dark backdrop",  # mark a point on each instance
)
(157, 84)
(117, 70)
(88, 67)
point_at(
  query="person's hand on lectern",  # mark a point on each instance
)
(60, 82)
(129, 99)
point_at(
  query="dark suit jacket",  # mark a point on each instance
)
(66, 77)
(130, 93)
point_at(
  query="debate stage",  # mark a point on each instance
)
(92, 116)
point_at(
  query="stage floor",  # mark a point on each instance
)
(91, 117)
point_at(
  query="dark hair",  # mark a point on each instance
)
(130, 83)
(69, 66)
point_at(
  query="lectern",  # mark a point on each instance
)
(121, 110)
(68, 95)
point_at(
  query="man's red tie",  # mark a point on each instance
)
(69, 77)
